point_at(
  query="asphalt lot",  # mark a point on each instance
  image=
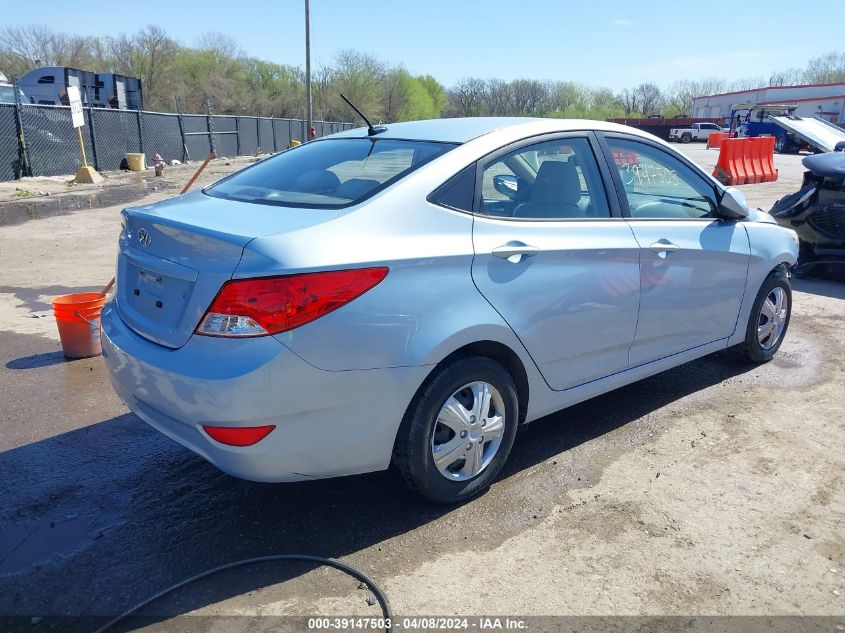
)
(715, 488)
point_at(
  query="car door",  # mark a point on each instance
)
(693, 265)
(554, 257)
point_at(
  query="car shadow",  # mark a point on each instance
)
(36, 361)
(99, 518)
(824, 286)
(31, 298)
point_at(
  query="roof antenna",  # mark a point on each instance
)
(371, 131)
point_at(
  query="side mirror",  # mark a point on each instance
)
(506, 184)
(732, 206)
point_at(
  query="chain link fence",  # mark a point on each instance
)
(39, 140)
(10, 160)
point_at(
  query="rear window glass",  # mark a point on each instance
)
(328, 174)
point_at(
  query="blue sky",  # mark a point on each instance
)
(610, 43)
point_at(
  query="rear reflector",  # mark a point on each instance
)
(238, 435)
(269, 305)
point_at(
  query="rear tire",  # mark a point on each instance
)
(769, 319)
(686, 138)
(429, 429)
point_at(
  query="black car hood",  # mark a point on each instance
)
(827, 165)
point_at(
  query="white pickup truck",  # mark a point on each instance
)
(695, 132)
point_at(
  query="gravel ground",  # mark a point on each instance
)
(715, 488)
(35, 189)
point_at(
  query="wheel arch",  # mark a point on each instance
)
(505, 356)
(495, 350)
(768, 256)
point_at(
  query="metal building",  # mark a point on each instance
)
(823, 100)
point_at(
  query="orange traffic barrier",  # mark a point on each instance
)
(769, 170)
(714, 140)
(767, 165)
(730, 169)
(751, 156)
(78, 320)
(746, 160)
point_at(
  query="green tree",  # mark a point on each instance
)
(358, 77)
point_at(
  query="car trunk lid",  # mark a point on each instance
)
(176, 254)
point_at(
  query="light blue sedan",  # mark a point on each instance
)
(410, 295)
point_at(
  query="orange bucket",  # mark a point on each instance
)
(78, 319)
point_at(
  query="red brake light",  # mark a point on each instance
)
(269, 305)
(238, 436)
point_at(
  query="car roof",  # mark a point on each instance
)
(461, 130)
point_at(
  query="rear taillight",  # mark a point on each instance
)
(238, 435)
(269, 305)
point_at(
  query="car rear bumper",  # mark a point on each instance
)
(328, 423)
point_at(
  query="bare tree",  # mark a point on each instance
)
(526, 96)
(681, 95)
(24, 47)
(650, 98)
(467, 97)
(359, 77)
(219, 43)
(829, 68)
(747, 83)
(118, 54)
(603, 99)
(566, 95)
(788, 77)
(321, 82)
(495, 97)
(630, 101)
(155, 54)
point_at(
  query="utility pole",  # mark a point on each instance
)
(309, 114)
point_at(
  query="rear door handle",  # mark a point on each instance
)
(663, 248)
(514, 251)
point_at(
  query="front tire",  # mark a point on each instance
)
(458, 430)
(769, 319)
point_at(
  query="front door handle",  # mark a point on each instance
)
(514, 251)
(663, 248)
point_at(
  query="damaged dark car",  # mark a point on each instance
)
(817, 212)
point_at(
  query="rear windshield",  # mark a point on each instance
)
(328, 174)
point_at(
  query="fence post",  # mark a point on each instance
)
(238, 129)
(273, 127)
(257, 130)
(212, 145)
(290, 131)
(24, 168)
(140, 133)
(185, 156)
(93, 132)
